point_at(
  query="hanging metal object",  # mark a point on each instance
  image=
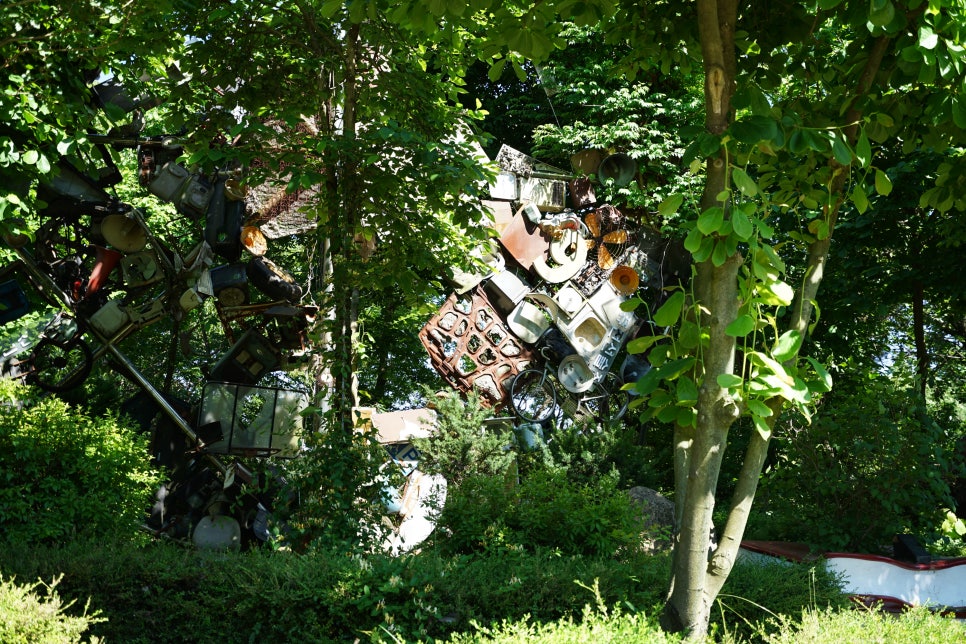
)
(619, 168)
(587, 161)
(625, 280)
(608, 237)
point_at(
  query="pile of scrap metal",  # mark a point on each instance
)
(99, 271)
(563, 267)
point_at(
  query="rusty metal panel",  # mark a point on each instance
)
(524, 241)
(470, 346)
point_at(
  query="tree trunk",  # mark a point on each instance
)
(698, 452)
(919, 330)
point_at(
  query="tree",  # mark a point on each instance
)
(796, 93)
(49, 58)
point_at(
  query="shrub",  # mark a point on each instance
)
(756, 592)
(588, 453)
(872, 464)
(167, 593)
(68, 474)
(460, 447)
(545, 510)
(28, 618)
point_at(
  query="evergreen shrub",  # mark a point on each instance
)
(68, 474)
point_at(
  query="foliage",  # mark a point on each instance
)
(600, 625)
(544, 510)
(757, 591)
(916, 626)
(69, 474)
(393, 371)
(333, 491)
(463, 445)
(597, 108)
(627, 450)
(52, 53)
(910, 282)
(29, 617)
(163, 592)
(953, 527)
(877, 463)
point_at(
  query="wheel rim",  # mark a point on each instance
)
(533, 396)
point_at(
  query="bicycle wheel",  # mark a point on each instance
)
(607, 402)
(532, 396)
(60, 366)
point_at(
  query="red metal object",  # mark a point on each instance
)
(470, 345)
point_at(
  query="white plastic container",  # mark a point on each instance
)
(110, 318)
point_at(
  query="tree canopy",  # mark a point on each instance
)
(816, 120)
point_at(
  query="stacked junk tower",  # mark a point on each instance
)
(98, 273)
(554, 296)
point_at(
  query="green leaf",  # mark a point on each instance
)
(881, 13)
(745, 184)
(674, 369)
(687, 391)
(752, 129)
(631, 304)
(762, 426)
(741, 327)
(787, 345)
(30, 157)
(758, 408)
(704, 250)
(776, 293)
(689, 336)
(883, 185)
(742, 225)
(686, 416)
(860, 199)
(710, 220)
(959, 112)
(642, 344)
(729, 380)
(670, 311)
(825, 378)
(840, 150)
(693, 241)
(496, 70)
(720, 254)
(863, 150)
(927, 37)
(670, 205)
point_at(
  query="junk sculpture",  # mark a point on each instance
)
(100, 273)
(549, 320)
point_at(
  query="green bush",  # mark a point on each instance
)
(545, 510)
(165, 592)
(588, 453)
(67, 474)
(460, 447)
(873, 463)
(593, 626)
(756, 592)
(916, 626)
(26, 617)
